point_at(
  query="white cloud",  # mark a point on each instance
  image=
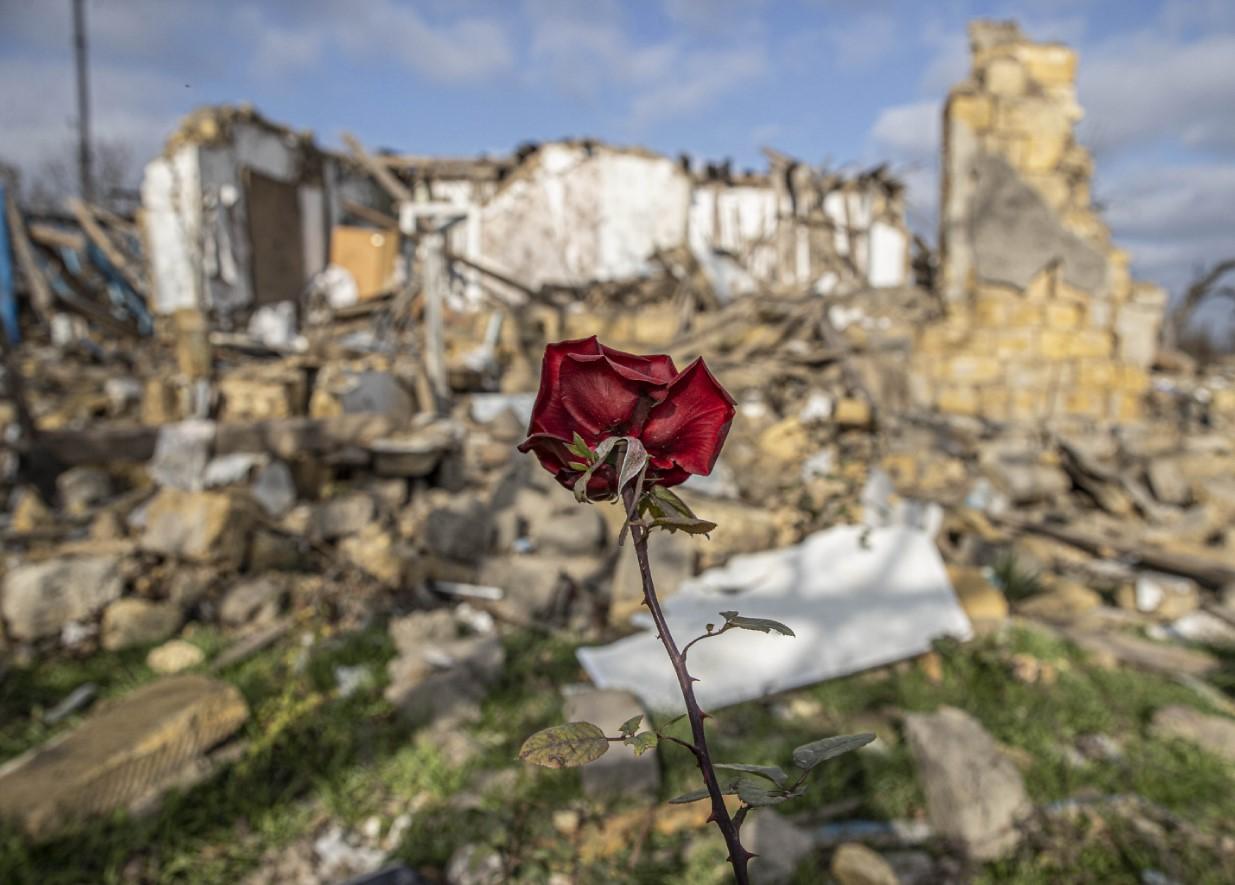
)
(909, 131)
(1146, 87)
(700, 79)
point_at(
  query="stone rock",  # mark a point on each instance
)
(186, 586)
(1028, 483)
(1213, 733)
(1168, 482)
(197, 526)
(982, 601)
(174, 656)
(786, 441)
(740, 528)
(389, 494)
(850, 412)
(672, 558)
(439, 674)
(40, 598)
(274, 489)
(475, 865)
(1166, 596)
(374, 551)
(780, 844)
(974, 794)
(913, 867)
(1110, 649)
(123, 753)
(275, 552)
(532, 584)
(251, 602)
(1065, 602)
(1206, 628)
(341, 516)
(619, 772)
(459, 532)
(29, 511)
(855, 864)
(579, 531)
(132, 621)
(107, 525)
(181, 454)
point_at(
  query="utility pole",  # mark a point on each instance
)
(83, 101)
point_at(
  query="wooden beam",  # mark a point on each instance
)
(371, 215)
(40, 291)
(90, 226)
(55, 237)
(383, 176)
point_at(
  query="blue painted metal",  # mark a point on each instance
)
(8, 295)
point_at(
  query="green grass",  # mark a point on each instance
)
(310, 753)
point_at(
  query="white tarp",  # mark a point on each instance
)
(856, 598)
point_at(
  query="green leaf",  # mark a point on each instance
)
(674, 503)
(603, 448)
(576, 465)
(685, 524)
(630, 726)
(727, 788)
(635, 459)
(641, 743)
(579, 447)
(565, 746)
(772, 772)
(763, 625)
(809, 755)
(757, 795)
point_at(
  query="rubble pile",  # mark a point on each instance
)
(302, 403)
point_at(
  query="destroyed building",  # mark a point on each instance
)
(287, 413)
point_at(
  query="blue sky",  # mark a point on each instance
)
(836, 81)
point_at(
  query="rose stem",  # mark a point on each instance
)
(738, 856)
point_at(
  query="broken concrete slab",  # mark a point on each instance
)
(856, 599)
(197, 526)
(619, 772)
(252, 602)
(174, 656)
(121, 754)
(134, 621)
(341, 515)
(39, 598)
(974, 794)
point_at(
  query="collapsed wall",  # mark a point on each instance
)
(577, 212)
(1043, 320)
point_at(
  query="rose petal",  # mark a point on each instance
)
(690, 425)
(598, 400)
(548, 412)
(550, 450)
(656, 368)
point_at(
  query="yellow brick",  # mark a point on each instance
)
(1118, 275)
(1029, 375)
(1055, 345)
(993, 305)
(1085, 223)
(1004, 77)
(1048, 64)
(1070, 294)
(1096, 372)
(1013, 342)
(1132, 379)
(1091, 343)
(1042, 286)
(1043, 151)
(959, 400)
(973, 369)
(1086, 402)
(852, 412)
(1078, 162)
(1061, 315)
(1026, 314)
(975, 111)
(1080, 198)
(1027, 404)
(993, 402)
(902, 467)
(1125, 407)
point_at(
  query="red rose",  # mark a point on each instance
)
(681, 418)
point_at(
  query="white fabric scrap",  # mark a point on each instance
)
(855, 597)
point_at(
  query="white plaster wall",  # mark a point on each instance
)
(172, 220)
(889, 255)
(572, 218)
